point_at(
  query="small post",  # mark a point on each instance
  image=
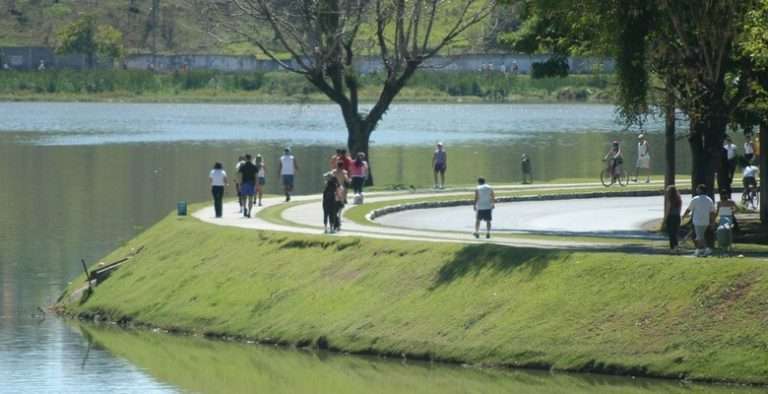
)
(87, 274)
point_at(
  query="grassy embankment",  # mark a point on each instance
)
(211, 86)
(584, 311)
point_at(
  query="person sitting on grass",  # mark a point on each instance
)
(485, 202)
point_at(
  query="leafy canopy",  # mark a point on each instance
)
(86, 37)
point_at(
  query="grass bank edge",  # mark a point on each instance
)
(659, 316)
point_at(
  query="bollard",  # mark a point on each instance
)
(181, 208)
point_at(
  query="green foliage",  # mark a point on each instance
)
(109, 42)
(86, 37)
(555, 66)
(276, 86)
(660, 315)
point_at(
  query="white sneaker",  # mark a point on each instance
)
(697, 253)
(707, 252)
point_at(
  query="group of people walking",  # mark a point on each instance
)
(345, 172)
(250, 181)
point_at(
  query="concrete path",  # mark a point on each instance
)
(304, 216)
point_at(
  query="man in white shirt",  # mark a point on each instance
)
(702, 210)
(288, 169)
(485, 201)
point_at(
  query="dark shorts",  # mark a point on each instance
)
(288, 180)
(439, 167)
(262, 181)
(749, 182)
(247, 189)
(484, 214)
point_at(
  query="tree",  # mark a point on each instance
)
(689, 44)
(86, 37)
(322, 39)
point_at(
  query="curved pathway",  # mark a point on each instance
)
(304, 215)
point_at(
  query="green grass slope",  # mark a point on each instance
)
(582, 311)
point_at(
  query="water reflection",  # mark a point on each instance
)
(199, 365)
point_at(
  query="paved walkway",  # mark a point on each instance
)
(304, 216)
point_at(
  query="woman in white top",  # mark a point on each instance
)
(218, 178)
(643, 159)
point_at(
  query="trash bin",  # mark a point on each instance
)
(181, 208)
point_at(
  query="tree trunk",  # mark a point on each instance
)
(669, 139)
(358, 140)
(669, 149)
(706, 142)
(763, 159)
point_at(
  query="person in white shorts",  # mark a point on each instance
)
(643, 158)
(485, 201)
(702, 210)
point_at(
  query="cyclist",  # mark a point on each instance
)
(749, 180)
(614, 160)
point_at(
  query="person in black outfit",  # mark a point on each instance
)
(674, 205)
(330, 205)
(248, 172)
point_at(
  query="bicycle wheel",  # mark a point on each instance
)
(623, 178)
(605, 178)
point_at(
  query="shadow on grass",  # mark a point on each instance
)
(473, 259)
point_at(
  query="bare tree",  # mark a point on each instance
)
(322, 39)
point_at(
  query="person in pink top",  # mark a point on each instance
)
(358, 171)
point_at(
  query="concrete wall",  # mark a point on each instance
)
(501, 62)
(27, 58)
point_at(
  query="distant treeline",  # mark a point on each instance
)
(488, 86)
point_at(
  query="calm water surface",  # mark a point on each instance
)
(79, 179)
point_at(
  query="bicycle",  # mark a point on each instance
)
(750, 197)
(619, 176)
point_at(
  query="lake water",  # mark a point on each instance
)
(80, 179)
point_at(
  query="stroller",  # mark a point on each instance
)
(724, 236)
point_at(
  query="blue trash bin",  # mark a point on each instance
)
(181, 208)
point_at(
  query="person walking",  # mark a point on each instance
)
(702, 210)
(261, 178)
(218, 178)
(359, 171)
(674, 205)
(240, 161)
(248, 173)
(525, 167)
(730, 156)
(439, 165)
(330, 204)
(643, 159)
(288, 169)
(749, 149)
(485, 202)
